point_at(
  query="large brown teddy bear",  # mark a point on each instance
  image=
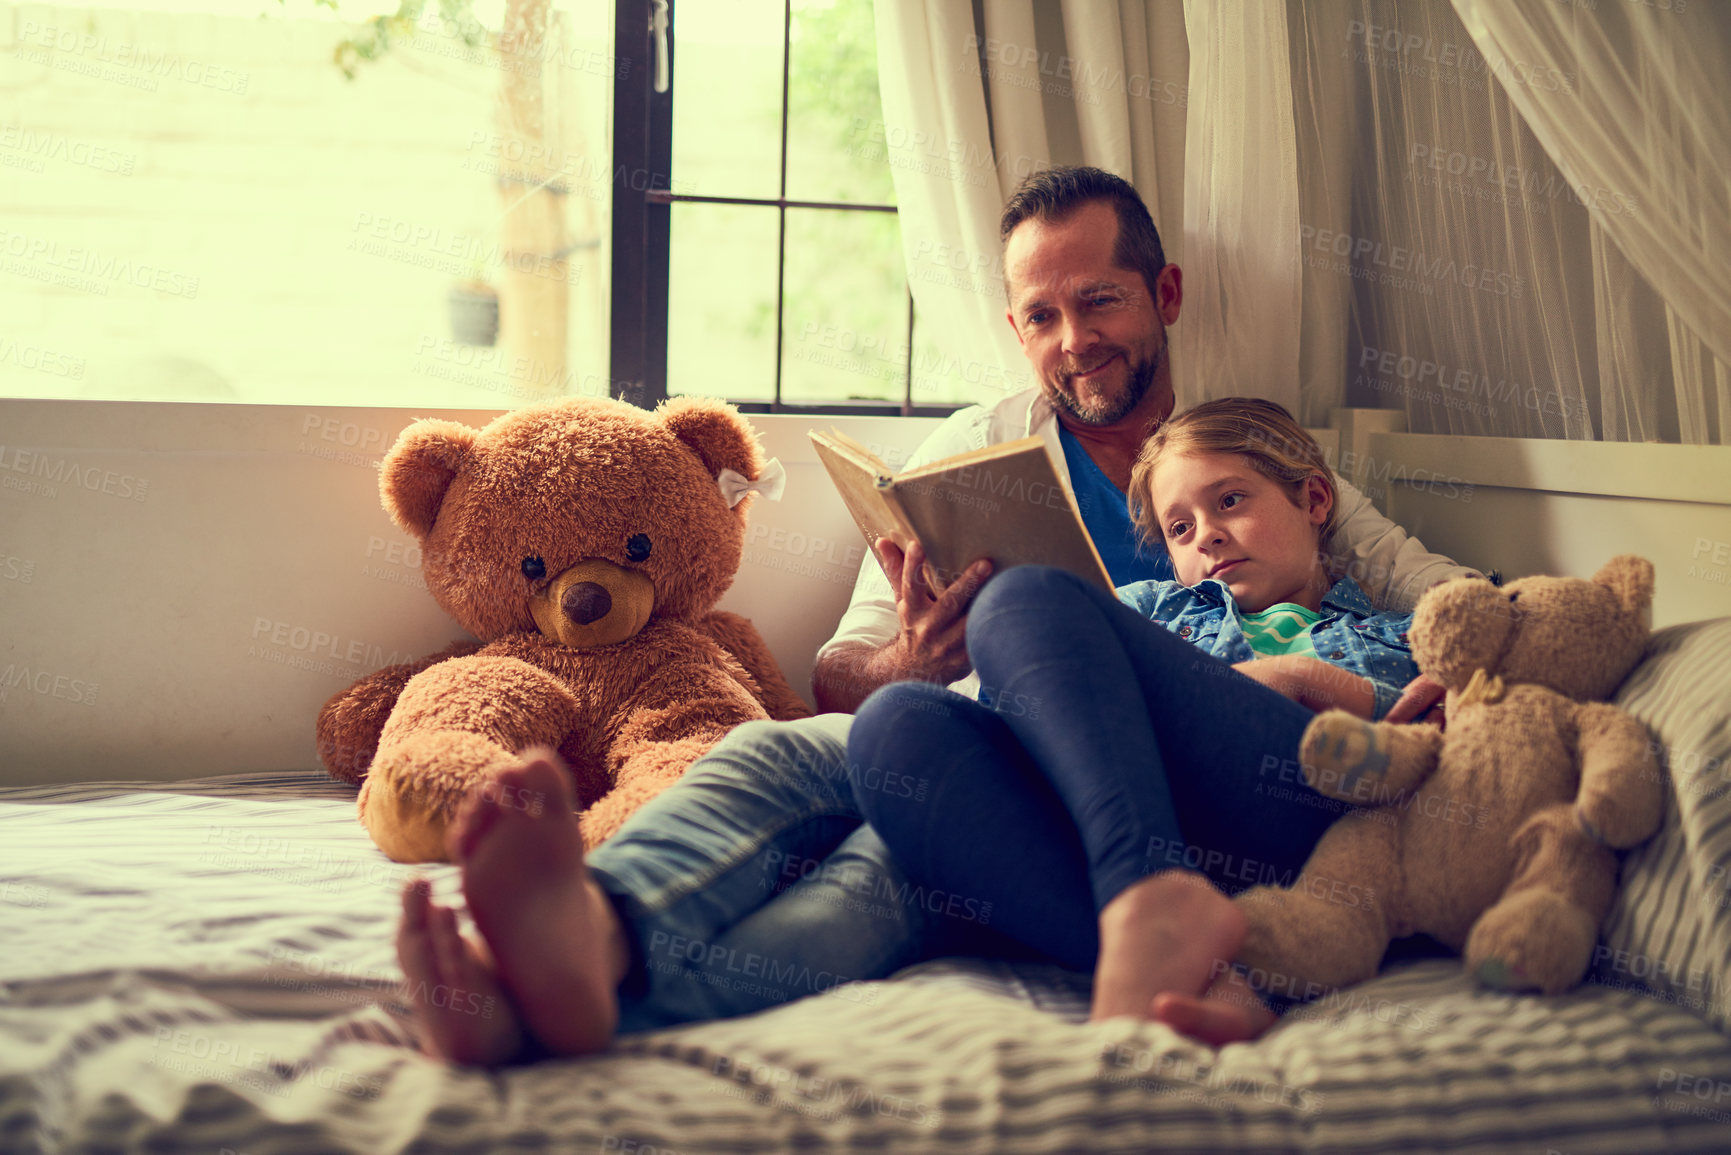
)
(584, 543)
(1494, 836)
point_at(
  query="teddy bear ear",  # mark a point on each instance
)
(714, 431)
(418, 470)
(1631, 579)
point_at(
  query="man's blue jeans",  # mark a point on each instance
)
(751, 882)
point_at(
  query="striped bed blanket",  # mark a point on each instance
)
(207, 966)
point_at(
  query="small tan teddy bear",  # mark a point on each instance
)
(585, 543)
(1494, 836)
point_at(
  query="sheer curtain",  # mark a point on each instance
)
(938, 139)
(1463, 261)
(1650, 123)
(973, 103)
(1506, 220)
(1240, 210)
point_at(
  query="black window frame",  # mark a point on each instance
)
(643, 200)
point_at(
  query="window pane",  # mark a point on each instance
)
(200, 206)
(727, 98)
(846, 307)
(721, 302)
(835, 149)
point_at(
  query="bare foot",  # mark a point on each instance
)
(1228, 1012)
(1165, 933)
(557, 945)
(462, 1011)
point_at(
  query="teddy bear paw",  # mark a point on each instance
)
(1501, 975)
(416, 786)
(1532, 941)
(1341, 753)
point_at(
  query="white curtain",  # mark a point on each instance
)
(1510, 221)
(1464, 271)
(1644, 135)
(946, 178)
(1239, 328)
(969, 110)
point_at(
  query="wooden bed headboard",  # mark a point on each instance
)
(1538, 506)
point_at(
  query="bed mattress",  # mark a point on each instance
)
(208, 966)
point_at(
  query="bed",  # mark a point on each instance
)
(206, 966)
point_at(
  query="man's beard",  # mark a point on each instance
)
(1109, 410)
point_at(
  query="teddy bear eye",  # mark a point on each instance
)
(534, 568)
(638, 547)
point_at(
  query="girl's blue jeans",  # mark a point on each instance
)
(1103, 748)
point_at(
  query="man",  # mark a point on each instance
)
(752, 881)
(1090, 298)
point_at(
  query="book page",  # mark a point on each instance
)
(860, 477)
(839, 443)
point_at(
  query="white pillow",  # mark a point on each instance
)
(1669, 929)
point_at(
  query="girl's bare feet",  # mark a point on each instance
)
(1167, 933)
(557, 945)
(462, 1010)
(1228, 1012)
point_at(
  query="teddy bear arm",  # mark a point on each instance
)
(453, 727)
(1622, 794)
(685, 714)
(740, 638)
(1367, 763)
(501, 698)
(652, 768)
(350, 723)
(679, 712)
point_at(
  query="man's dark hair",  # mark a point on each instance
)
(1054, 193)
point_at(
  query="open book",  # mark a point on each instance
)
(1003, 502)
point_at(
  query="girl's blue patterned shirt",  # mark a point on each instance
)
(1351, 634)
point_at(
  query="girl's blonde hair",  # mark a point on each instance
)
(1259, 431)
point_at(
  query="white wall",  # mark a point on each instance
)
(183, 586)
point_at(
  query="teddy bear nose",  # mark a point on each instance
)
(585, 602)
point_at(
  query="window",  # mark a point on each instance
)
(757, 254)
(196, 203)
(409, 202)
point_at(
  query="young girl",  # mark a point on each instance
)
(1123, 750)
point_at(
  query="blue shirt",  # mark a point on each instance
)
(1351, 634)
(1106, 514)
